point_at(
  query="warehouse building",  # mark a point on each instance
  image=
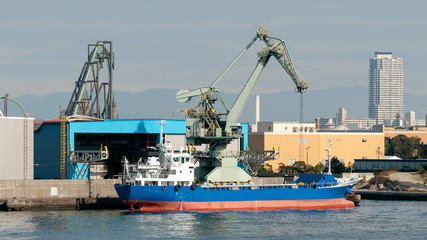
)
(85, 142)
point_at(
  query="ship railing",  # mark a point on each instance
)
(88, 156)
(211, 134)
(150, 176)
(268, 187)
(158, 172)
(246, 155)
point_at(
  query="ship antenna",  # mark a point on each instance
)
(329, 157)
(162, 125)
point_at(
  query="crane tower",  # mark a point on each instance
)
(86, 98)
(204, 125)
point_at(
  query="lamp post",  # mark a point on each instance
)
(379, 149)
(307, 153)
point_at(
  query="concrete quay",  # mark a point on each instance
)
(392, 195)
(59, 194)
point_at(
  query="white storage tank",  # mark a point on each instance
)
(16, 148)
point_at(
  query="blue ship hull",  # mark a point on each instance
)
(211, 198)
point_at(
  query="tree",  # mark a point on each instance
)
(282, 168)
(300, 166)
(337, 167)
(318, 168)
(350, 167)
(257, 167)
(404, 147)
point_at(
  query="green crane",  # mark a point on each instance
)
(204, 124)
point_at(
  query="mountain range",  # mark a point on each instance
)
(280, 106)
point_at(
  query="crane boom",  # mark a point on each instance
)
(240, 103)
(280, 52)
(185, 95)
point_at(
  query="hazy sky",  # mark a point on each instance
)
(187, 44)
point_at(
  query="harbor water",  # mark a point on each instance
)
(372, 220)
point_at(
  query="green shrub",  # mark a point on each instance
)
(421, 170)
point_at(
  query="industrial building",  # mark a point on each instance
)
(85, 141)
(378, 165)
(16, 148)
(419, 132)
(314, 147)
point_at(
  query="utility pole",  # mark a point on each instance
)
(5, 105)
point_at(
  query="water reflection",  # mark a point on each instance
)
(374, 219)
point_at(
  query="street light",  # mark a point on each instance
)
(379, 149)
(307, 153)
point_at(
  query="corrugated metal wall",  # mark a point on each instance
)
(16, 148)
(47, 151)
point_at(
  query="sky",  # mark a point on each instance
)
(187, 44)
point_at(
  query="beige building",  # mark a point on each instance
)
(313, 147)
(420, 132)
(341, 116)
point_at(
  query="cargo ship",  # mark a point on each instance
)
(166, 183)
(217, 178)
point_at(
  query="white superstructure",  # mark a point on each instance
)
(165, 168)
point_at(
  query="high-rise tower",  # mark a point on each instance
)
(386, 89)
(341, 116)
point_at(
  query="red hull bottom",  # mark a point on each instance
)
(157, 206)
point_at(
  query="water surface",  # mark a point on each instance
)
(372, 220)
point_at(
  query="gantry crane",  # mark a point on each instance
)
(204, 124)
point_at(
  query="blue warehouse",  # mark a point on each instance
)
(56, 143)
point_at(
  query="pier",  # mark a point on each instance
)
(392, 195)
(59, 194)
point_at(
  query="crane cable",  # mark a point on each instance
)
(301, 140)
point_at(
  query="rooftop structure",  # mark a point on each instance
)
(325, 123)
(410, 118)
(285, 127)
(360, 123)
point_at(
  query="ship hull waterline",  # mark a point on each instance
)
(161, 199)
